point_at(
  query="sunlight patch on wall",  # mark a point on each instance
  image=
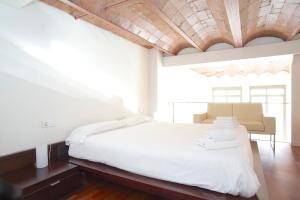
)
(77, 70)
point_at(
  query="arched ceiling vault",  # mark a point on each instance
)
(171, 25)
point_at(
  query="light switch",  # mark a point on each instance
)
(47, 124)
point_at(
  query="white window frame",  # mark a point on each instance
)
(227, 95)
(266, 96)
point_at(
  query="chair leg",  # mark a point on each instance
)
(274, 144)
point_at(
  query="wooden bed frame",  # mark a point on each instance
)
(162, 188)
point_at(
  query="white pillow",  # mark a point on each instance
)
(79, 134)
(135, 120)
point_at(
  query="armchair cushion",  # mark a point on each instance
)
(270, 125)
(199, 118)
(219, 109)
(253, 126)
(250, 112)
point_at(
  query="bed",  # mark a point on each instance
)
(170, 152)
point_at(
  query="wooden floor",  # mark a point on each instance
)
(282, 171)
(282, 175)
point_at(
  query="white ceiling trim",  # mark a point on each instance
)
(283, 48)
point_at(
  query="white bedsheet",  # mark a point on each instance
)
(170, 152)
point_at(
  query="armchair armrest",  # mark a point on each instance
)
(198, 118)
(270, 125)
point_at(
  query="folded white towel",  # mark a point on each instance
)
(224, 122)
(225, 118)
(211, 145)
(218, 134)
(228, 124)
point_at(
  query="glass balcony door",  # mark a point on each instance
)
(273, 99)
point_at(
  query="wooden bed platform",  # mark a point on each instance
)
(166, 189)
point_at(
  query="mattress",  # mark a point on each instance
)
(170, 152)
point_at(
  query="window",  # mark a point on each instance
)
(274, 103)
(227, 94)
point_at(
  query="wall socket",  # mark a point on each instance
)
(47, 124)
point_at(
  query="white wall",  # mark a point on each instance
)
(64, 71)
(154, 63)
(296, 101)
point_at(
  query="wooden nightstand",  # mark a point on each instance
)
(56, 181)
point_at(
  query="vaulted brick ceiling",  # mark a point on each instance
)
(172, 25)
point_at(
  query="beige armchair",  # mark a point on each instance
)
(248, 114)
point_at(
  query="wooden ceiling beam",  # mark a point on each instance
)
(233, 13)
(81, 16)
(168, 21)
(116, 4)
(107, 25)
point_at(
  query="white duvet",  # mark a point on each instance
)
(170, 152)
